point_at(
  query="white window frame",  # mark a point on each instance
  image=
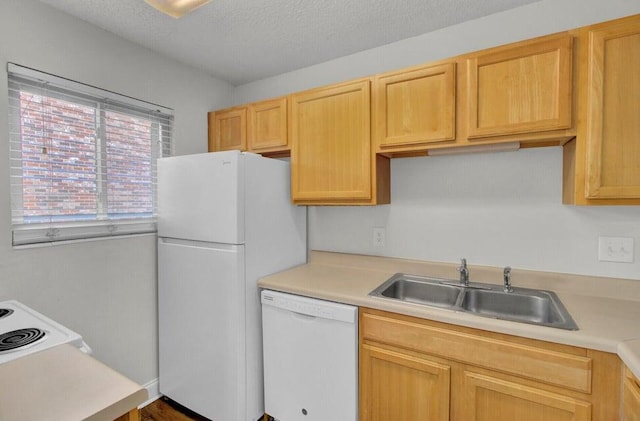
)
(55, 231)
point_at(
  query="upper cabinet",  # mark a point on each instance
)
(577, 89)
(613, 112)
(268, 126)
(602, 165)
(521, 92)
(332, 159)
(228, 129)
(520, 88)
(259, 127)
(415, 106)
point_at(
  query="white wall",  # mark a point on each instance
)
(106, 290)
(495, 209)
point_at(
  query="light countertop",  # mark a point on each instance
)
(606, 310)
(63, 383)
(629, 352)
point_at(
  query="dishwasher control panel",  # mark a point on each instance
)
(309, 306)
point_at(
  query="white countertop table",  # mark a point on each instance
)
(63, 383)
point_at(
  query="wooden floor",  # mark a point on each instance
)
(166, 410)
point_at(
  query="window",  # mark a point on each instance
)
(83, 160)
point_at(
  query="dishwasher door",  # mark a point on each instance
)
(310, 350)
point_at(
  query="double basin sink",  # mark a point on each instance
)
(524, 305)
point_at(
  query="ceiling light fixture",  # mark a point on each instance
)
(177, 8)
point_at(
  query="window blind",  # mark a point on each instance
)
(83, 159)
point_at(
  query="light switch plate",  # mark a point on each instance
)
(615, 249)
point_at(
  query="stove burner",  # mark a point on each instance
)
(5, 312)
(18, 338)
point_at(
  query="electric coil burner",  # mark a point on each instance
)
(4, 312)
(24, 331)
(18, 338)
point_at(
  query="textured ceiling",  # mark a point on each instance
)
(245, 40)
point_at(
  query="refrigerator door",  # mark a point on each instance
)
(201, 197)
(201, 293)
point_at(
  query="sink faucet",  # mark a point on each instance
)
(506, 274)
(464, 272)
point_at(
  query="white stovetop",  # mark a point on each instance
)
(24, 317)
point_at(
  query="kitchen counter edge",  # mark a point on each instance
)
(66, 384)
(606, 312)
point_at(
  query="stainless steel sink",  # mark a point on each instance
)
(520, 305)
(524, 305)
(428, 291)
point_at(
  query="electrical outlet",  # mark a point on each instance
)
(615, 249)
(379, 235)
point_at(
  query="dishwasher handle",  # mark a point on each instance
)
(310, 307)
(303, 316)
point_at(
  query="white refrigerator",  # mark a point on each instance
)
(225, 219)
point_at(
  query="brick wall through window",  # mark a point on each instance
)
(82, 159)
(60, 164)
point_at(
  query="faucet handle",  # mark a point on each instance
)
(506, 275)
(464, 272)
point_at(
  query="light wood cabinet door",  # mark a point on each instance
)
(613, 112)
(228, 129)
(486, 398)
(520, 88)
(491, 376)
(332, 161)
(631, 397)
(133, 415)
(267, 130)
(415, 106)
(400, 387)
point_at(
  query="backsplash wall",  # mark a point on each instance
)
(495, 209)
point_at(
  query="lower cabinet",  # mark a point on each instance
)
(133, 415)
(631, 398)
(413, 369)
(489, 398)
(396, 386)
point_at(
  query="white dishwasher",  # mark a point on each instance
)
(310, 350)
